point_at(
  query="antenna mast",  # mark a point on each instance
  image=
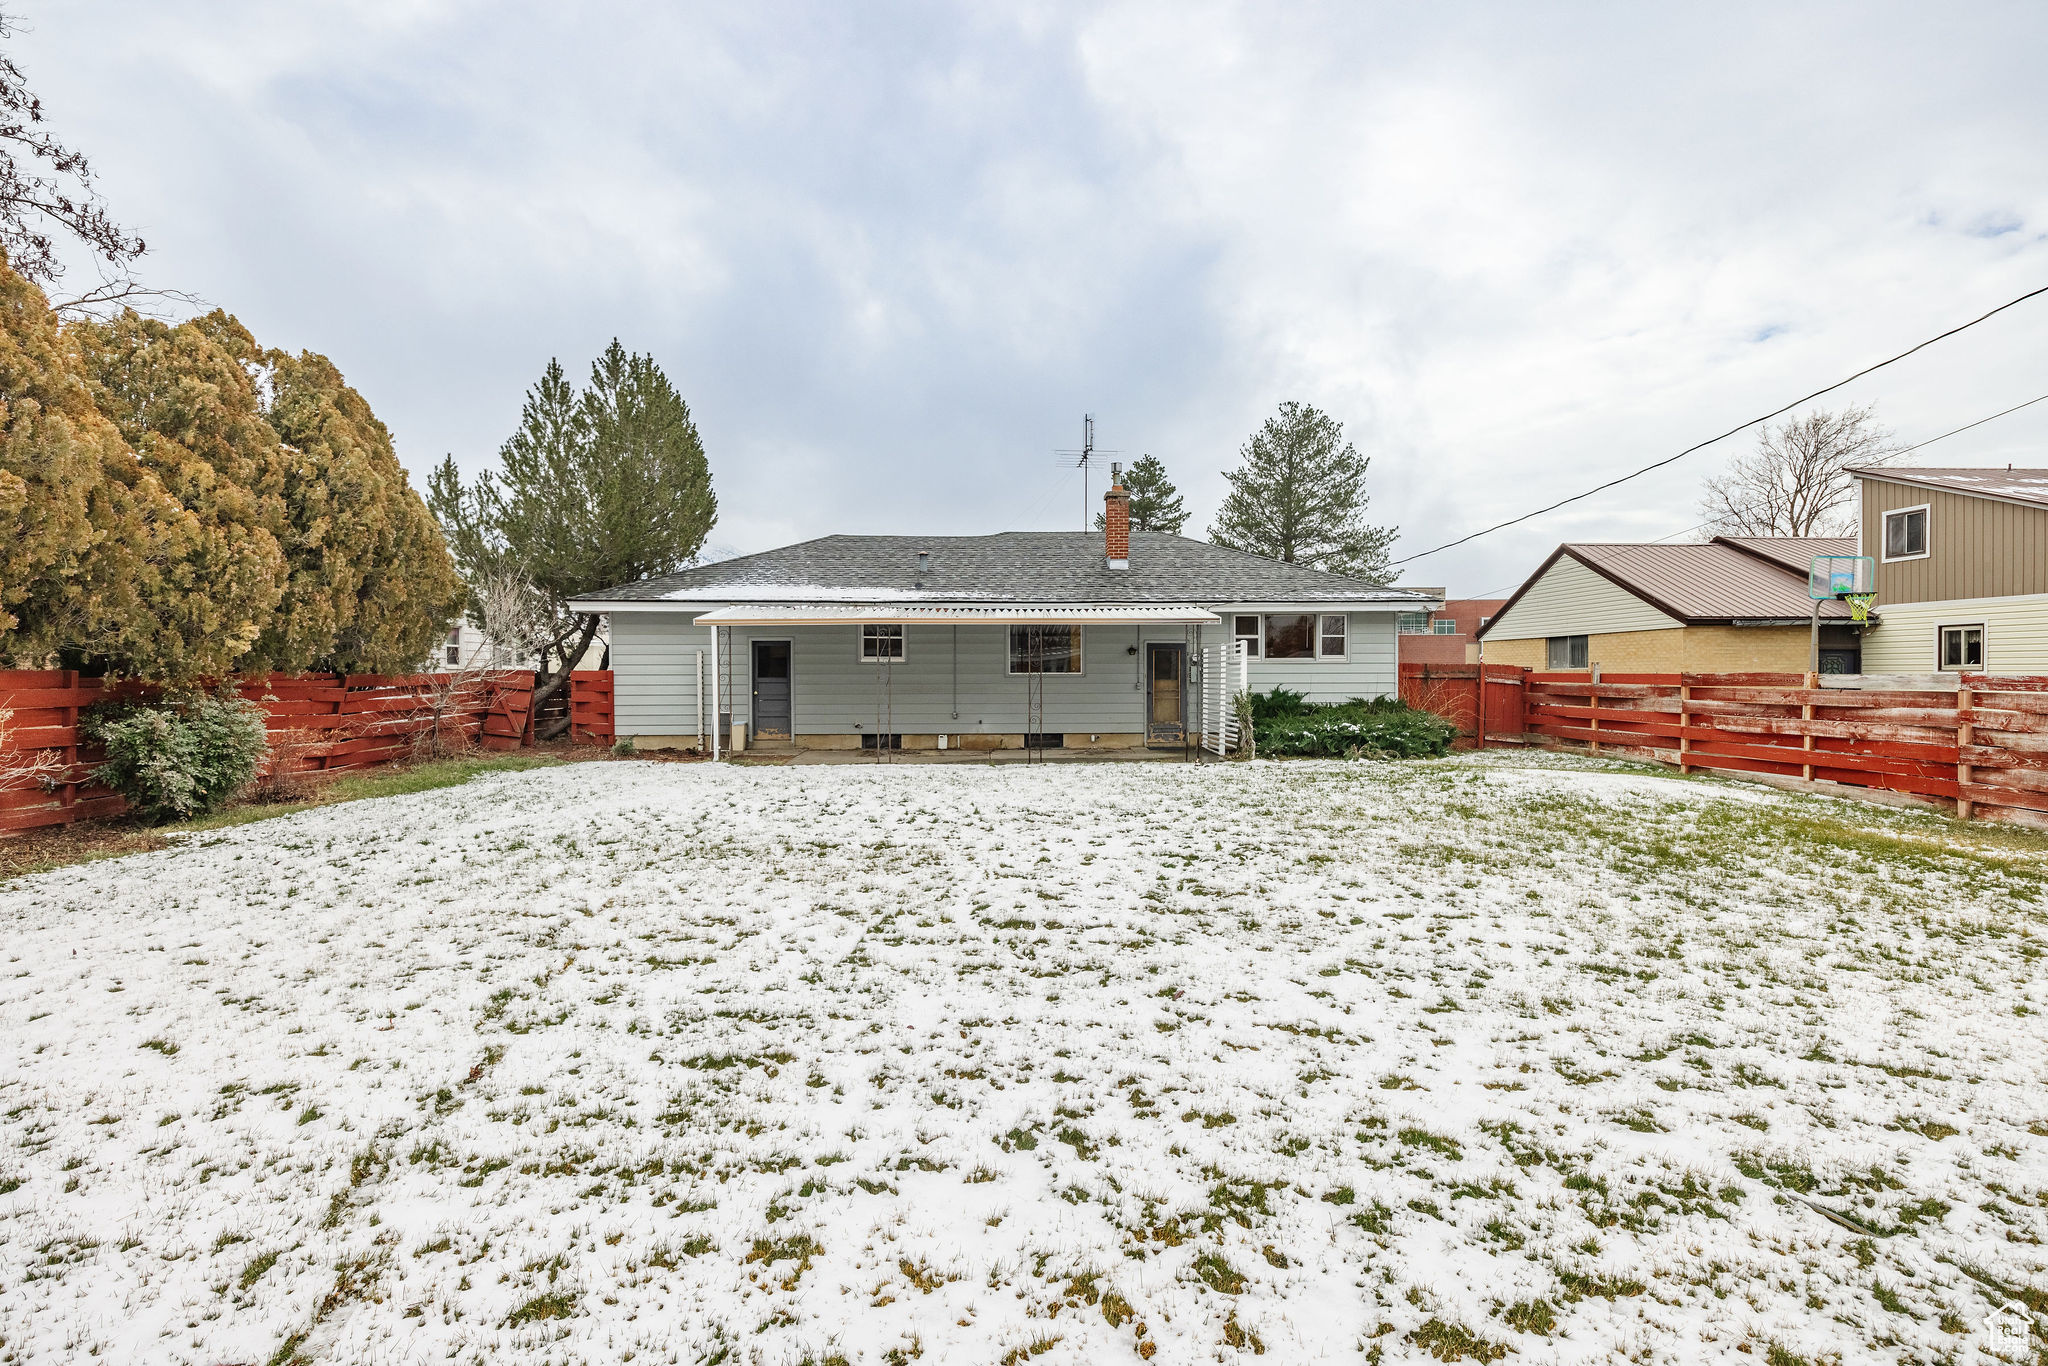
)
(1082, 458)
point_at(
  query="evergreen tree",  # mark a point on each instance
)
(1300, 496)
(1155, 502)
(176, 503)
(594, 490)
(189, 413)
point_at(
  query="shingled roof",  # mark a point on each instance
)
(1012, 566)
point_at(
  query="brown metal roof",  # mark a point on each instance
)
(2018, 486)
(1703, 584)
(1793, 552)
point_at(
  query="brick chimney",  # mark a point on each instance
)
(1116, 522)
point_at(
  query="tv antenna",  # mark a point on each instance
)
(1083, 459)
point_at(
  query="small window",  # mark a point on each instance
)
(1961, 647)
(1045, 649)
(1905, 534)
(1444, 626)
(1483, 621)
(1412, 623)
(1331, 643)
(454, 654)
(1246, 628)
(1567, 652)
(1291, 635)
(881, 644)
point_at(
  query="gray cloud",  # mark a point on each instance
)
(892, 253)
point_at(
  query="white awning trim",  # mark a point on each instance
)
(833, 614)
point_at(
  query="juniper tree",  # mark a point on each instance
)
(594, 490)
(1155, 502)
(1299, 496)
(163, 516)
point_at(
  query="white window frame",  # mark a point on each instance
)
(1402, 618)
(902, 639)
(1884, 533)
(1255, 643)
(1983, 647)
(1443, 626)
(1080, 651)
(1343, 633)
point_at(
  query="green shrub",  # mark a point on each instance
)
(177, 759)
(1382, 728)
(1281, 704)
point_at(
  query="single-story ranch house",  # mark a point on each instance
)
(978, 642)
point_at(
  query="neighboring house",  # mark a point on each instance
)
(466, 646)
(1962, 569)
(975, 642)
(1449, 635)
(1736, 604)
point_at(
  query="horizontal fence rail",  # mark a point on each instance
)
(1976, 744)
(316, 723)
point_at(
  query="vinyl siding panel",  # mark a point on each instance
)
(1572, 600)
(1977, 547)
(2015, 634)
(654, 672)
(952, 680)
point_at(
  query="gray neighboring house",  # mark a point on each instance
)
(1081, 639)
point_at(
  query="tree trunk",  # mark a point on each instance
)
(559, 680)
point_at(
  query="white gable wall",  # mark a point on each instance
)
(1572, 600)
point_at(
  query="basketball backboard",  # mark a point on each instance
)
(1837, 576)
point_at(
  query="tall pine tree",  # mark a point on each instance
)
(1300, 496)
(1155, 502)
(594, 490)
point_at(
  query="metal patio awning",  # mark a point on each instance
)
(950, 614)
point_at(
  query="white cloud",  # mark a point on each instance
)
(892, 254)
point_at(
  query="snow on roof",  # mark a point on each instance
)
(2020, 486)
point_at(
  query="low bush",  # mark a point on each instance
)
(172, 760)
(1380, 728)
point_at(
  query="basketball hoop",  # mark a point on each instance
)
(1859, 605)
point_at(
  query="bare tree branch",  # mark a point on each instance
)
(1795, 483)
(46, 188)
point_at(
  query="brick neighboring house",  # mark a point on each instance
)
(1448, 635)
(1733, 605)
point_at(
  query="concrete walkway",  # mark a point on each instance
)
(814, 757)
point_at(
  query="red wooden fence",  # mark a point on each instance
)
(590, 707)
(1974, 743)
(318, 722)
(1452, 692)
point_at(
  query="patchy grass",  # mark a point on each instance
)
(1432, 1061)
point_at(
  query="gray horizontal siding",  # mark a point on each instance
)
(833, 692)
(654, 672)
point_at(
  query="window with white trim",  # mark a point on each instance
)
(1905, 534)
(1444, 626)
(1045, 649)
(1960, 648)
(454, 651)
(1412, 623)
(881, 644)
(1330, 641)
(1245, 627)
(1290, 635)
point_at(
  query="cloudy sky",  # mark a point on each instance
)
(892, 253)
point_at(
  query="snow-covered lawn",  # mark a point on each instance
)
(1332, 1062)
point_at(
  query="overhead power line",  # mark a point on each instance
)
(1907, 451)
(1732, 431)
